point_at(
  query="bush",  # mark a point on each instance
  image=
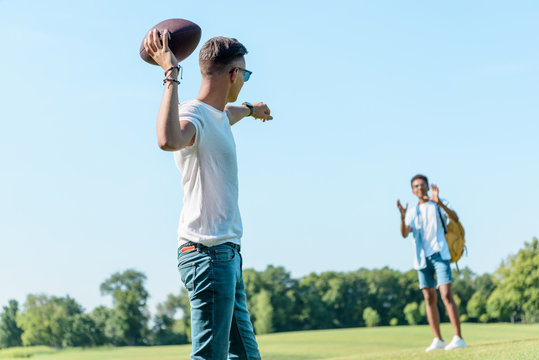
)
(423, 309)
(412, 314)
(371, 317)
(394, 322)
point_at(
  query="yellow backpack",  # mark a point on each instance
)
(454, 235)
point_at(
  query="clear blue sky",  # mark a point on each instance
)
(365, 94)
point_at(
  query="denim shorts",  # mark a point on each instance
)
(435, 265)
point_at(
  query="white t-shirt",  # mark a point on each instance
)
(428, 214)
(428, 231)
(209, 169)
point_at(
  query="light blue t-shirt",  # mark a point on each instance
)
(428, 231)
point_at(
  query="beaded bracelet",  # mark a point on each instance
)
(169, 79)
(180, 70)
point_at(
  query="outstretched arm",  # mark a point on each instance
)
(405, 230)
(236, 113)
(172, 134)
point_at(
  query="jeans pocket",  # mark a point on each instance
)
(223, 255)
(188, 274)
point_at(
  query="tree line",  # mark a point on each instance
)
(277, 302)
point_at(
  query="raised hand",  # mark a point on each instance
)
(435, 192)
(157, 47)
(402, 209)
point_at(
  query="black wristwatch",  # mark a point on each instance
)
(251, 107)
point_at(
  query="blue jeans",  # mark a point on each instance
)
(435, 265)
(220, 325)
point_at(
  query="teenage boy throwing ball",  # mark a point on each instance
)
(210, 229)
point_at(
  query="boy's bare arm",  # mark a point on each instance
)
(171, 133)
(236, 113)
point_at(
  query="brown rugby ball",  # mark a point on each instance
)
(183, 40)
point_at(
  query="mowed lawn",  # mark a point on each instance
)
(488, 342)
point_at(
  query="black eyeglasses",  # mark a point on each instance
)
(246, 73)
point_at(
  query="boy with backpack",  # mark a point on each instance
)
(426, 221)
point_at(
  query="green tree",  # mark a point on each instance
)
(463, 285)
(371, 317)
(264, 312)
(166, 330)
(100, 316)
(183, 324)
(162, 331)
(423, 309)
(498, 307)
(278, 282)
(10, 332)
(385, 293)
(128, 323)
(282, 289)
(346, 296)
(47, 320)
(83, 332)
(314, 313)
(412, 313)
(476, 306)
(390, 291)
(483, 318)
(484, 284)
(518, 283)
(458, 302)
(334, 300)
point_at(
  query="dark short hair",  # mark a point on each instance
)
(421, 177)
(218, 52)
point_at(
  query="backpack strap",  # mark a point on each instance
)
(441, 219)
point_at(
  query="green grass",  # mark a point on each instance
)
(25, 352)
(486, 342)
